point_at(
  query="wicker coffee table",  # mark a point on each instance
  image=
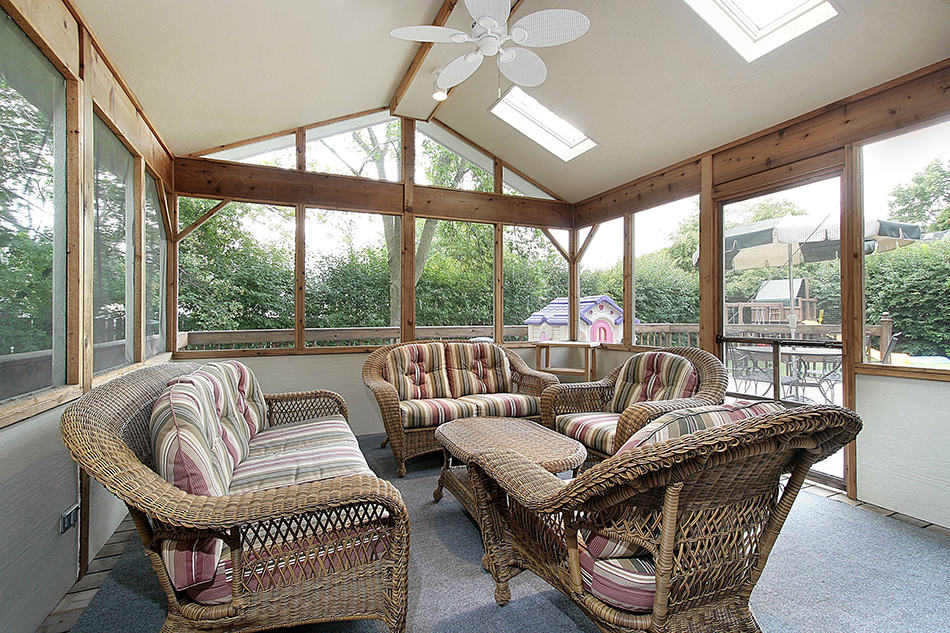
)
(462, 439)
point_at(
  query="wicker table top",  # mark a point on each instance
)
(550, 450)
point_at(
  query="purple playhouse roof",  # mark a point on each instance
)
(556, 312)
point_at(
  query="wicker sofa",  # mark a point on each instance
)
(421, 384)
(603, 414)
(289, 525)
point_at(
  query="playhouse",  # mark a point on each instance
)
(601, 319)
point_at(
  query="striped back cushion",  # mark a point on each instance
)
(684, 421)
(239, 403)
(418, 371)
(653, 376)
(477, 367)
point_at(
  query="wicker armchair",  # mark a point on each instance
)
(706, 508)
(594, 397)
(412, 442)
(284, 541)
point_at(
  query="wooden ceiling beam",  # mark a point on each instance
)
(416, 65)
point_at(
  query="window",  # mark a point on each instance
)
(515, 185)
(353, 278)
(32, 217)
(754, 27)
(155, 261)
(113, 251)
(527, 115)
(666, 280)
(236, 277)
(601, 278)
(906, 183)
(443, 160)
(368, 146)
(275, 152)
(535, 287)
(454, 281)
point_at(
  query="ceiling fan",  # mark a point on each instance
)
(549, 27)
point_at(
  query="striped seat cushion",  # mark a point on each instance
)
(653, 376)
(626, 582)
(477, 367)
(300, 453)
(418, 371)
(593, 430)
(678, 423)
(424, 413)
(506, 405)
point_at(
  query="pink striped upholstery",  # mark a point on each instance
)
(477, 367)
(677, 423)
(506, 405)
(593, 430)
(653, 376)
(627, 583)
(418, 371)
(424, 413)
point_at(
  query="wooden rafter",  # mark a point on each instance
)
(207, 215)
(416, 64)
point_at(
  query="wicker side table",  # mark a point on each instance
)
(462, 439)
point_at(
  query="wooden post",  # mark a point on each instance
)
(499, 294)
(171, 280)
(300, 282)
(887, 335)
(710, 263)
(852, 296)
(76, 244)
(629, 287)
(574, 286)
(138, 228)
(408, 262)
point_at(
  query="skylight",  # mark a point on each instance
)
(755, 27)
(528, 116)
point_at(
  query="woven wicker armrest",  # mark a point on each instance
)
(578, 397)
(639, 414)
(286, 408)
(525, 481)
(527, 380)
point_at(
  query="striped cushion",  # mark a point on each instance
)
(653, 376)
(424, 413)
(300, 453)
(506, 405)
(627, 583)
(593, 430)
(418, 371)
(477, 367)
(678, 423)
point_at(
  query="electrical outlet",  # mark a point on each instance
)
(69, 519)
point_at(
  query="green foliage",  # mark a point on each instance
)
(925, 200)
(665, 292)
(535, 273)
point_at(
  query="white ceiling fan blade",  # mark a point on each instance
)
(525, 68)
(430, 34)
(549, 27)
(497, 10)
(459, 69)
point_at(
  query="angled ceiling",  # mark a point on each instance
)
(650, 82)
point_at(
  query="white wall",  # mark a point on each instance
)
(904, 449)
(38, 482)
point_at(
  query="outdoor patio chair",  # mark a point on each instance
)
(668, 536)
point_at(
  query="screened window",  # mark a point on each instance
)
(155, 262)
(444, 160)
(535, 287)
(276, 152)
(353, 278)
(601, 279)
(113, 251)
(236, 277)
(32, 216)
(368, 147)
(906, 183)
(454, 279)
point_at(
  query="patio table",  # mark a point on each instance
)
(818, 367)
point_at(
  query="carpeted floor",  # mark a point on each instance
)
(835, 569)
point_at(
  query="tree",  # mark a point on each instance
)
(925, 200)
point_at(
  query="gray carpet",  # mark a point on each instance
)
(835, 569)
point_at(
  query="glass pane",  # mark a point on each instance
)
(443, 160)
(601, 272)
(515, 185)
(907, 249)
(32, 216)
(155, 261)
(666, 277)
(112, 283)
(353, 278)
(236, 278)
(535, 287)
(454, 293)
(275, 152)
(368, 147)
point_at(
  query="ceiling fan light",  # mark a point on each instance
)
(519, 34)
(439, 94)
